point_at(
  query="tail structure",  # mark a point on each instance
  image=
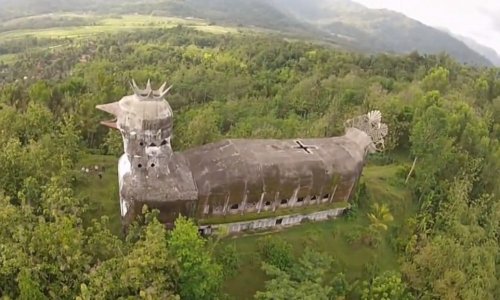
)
(371, 124)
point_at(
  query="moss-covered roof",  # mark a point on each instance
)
(235, 168)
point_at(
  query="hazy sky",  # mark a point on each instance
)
(477, 19)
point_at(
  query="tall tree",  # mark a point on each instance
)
(199, 276)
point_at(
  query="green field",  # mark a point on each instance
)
(332, 237)
(114, 24)
(103, 25)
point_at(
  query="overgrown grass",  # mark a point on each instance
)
(339, 238)
(101, 193)
(8, 58)
(335, 237)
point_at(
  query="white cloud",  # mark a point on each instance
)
(476, 19)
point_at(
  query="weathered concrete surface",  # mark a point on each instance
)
(274, 222)
(149, 172)
(247, 174)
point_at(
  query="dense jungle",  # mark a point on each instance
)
(424, 223)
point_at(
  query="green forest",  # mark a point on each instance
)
(424, 223)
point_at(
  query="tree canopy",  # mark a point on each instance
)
(444, 114)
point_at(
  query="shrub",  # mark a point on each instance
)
(361, 196)
(402, 172)
(340, 286)
(353, 236)
(380, 159)
(371, 268)
(352, 212)
(276, 251)
(385, 286)
(229, 258)
(371, 238)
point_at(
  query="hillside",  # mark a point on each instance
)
(487, 52)
(341, 22)
(60, 231)
(378, 30)
(256, 13)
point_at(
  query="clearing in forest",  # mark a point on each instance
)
(340, 238)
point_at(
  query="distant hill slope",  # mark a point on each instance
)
(257, 13)
(378, 30)
(485, 51)
(342, 22)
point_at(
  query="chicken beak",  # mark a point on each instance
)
(111, 108)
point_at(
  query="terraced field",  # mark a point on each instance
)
(111, 24)
(97, 25)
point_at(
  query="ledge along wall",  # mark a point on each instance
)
(274, 222)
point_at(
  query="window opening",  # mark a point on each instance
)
(284, 201)
(279, 221)
(300, 199)
(234, 206)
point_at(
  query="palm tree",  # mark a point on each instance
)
(380, 216)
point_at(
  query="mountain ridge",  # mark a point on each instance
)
(342, 22)
(381, 30)
(488, 52)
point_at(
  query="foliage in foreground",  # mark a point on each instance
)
(47, 251)
(444, 114)
(313, 276)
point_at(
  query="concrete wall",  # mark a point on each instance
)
(274, 222)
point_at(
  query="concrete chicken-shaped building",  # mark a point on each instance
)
(247, 183)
